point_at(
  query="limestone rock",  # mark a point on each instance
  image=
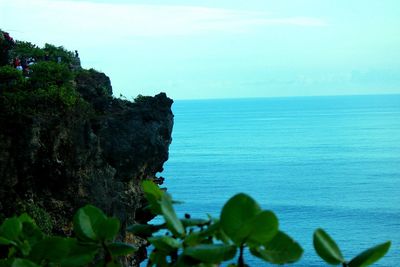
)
(54, 162)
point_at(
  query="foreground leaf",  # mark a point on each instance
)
(236, 213)
(157, 259)
(166, 244)
(153, 195)
(108, 229)
(23, 263)
(263, 228)
(87, 221)
(25, 218)
(11, 228)
(281, 249)
(326, 248)
(52, 249)
(5, 241)
(370, 256)
(121, 249)
(212, 253)
(172, 220)
(80, 254)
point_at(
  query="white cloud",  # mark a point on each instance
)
(95, 20)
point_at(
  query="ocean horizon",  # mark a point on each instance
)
(323, 161)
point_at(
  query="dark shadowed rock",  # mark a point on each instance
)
(53, 162)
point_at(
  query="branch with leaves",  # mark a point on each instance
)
(242, 225)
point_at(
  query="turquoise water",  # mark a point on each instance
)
(330, 162)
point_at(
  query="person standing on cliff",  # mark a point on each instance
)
(17, 62)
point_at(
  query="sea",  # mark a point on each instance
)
(331, 162)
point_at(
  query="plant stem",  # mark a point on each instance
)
(174, 256)
(241, 260)
(107, 257)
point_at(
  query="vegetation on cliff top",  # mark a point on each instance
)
(46, 82)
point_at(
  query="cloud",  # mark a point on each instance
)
(84, 19)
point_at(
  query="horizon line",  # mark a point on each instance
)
(290, 96)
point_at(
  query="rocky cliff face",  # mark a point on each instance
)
(53, 161)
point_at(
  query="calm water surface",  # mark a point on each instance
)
(331, 162)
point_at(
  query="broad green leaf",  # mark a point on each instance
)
(193, 239)
(211, 253)
(52, 248)
(153, 195)
(31, 234)
(370, 256)
(280, 250)
(236, 213)
(11, 228)
(23, 263)
(79, 254)
(197, 237)
(86, 220)
(5, 241)
(262, 228)
(168, 212)
(212, 229)
(25, 218)
(121, 249)
(220, 235)
(326, 248)
(107, 229)
(166, 244)
(144, 229)
(24, 247)
(157, 259)
(215, 230)
(83, 259)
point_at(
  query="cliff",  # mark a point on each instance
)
(65, 141)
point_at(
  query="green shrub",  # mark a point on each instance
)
(26, 50)
(11, 79)
(57, 96)
(141, 98)
(26, 246)
(52, 100)
(54, 52)
(45, 74)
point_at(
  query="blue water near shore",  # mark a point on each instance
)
(330, 162)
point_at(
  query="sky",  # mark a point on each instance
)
(223, 49)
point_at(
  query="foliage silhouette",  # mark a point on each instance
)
(241, 225)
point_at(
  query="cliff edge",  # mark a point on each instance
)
(65, 141)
